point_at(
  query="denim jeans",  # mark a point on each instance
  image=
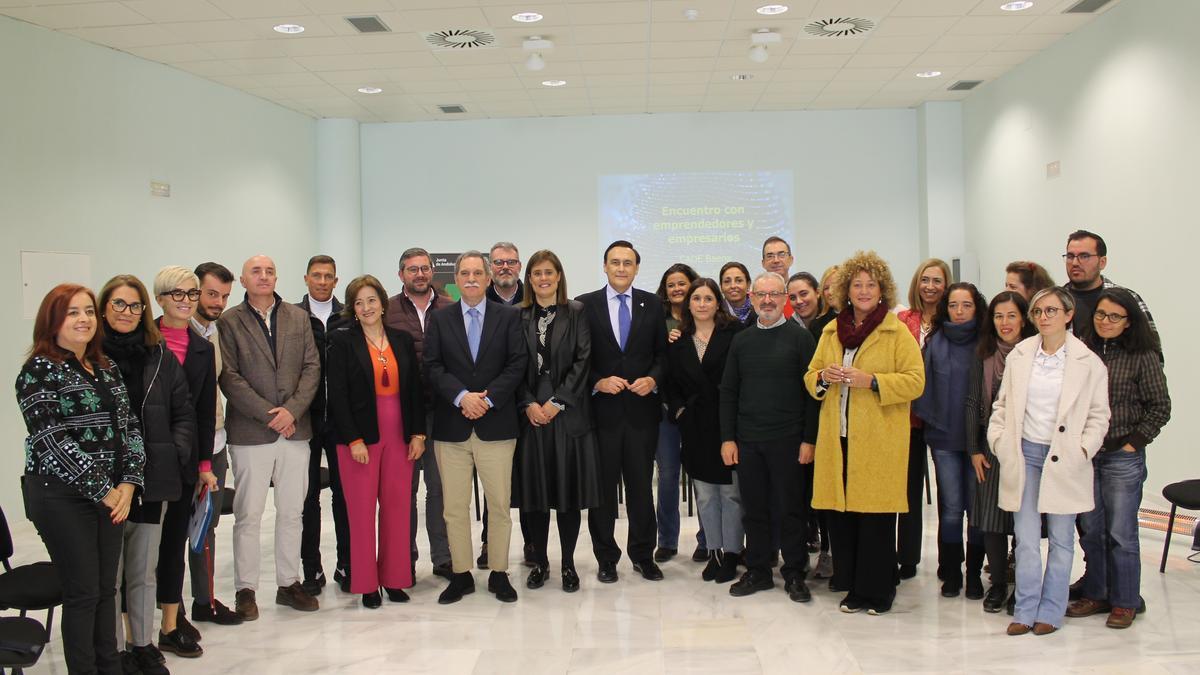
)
(1041, 598)
(1109, 537)
(668, 458)
(720, 510)
(955, 491)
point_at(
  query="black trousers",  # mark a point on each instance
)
(310, 535)
(172, 547)
(818, 524)
(538, 536)
(775, 496)
(909, 530)
(626, 454)
(864, 555)
(85, 547)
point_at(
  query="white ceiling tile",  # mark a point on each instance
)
(349, 7)
(161, 11)
(989, 25)
(337, 23)
(428, 86)
(681, 50)
(636, 50)
(355, 77)
(982, 72)
(278, 79)
(992, 8)
(512, 37)
(505, 108)
(902, 26)
(1004, 58)
(694, 100)
(250, 9)
(500, 95)
(610, 33)
(863, 8)
(609, 93)
(861, 60)
(480, 72)
(681, 65)
(626, 79)
(500, 16)
(209, 31)
(815, 61)
(405, 75)
(247, 49)
(1027, 42)
(866, 74)
(439, 19)
(948, 95)
(591, 13)
(743, 64)
(691, 31)
(172, 53)
(962, 43)
(444, 98)
(741, 30)
(825, 46)
(679, 78)
(491, 84)
(915, 84)
(852, 87)
(392, 42)
(730, 88)
(806, 74)
(943, 60)
(368, 61)
(898, 44)
(125, 37)
(612, 67)
(478, 57)
(673, 10)
(662, 90)
(931, 8)
(92, 15)
(315, 46)
(264, 66)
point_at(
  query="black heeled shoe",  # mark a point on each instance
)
(372, 600)
(396, 594)
(570, 579)
(537, 577)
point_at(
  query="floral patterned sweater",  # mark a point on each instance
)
(81, 429)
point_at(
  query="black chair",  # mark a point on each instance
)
(21, 643)
(29, 587)
(1186, 494)
(227, 500)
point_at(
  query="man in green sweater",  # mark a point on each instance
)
(768, 429)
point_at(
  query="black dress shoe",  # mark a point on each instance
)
(313, 584)
(700, 554)
(445, 571)
(341, 576)
(460, 584)
(537, 577)
(728, 571)
(482, 562)
(396, 594)
(185, 626)
(607, 573)
(797, 590)
(570, 579)
(648, 570)
(372, 600)
(951, 588)
(216, 613)
(993, 602)
(974, 588)
(179, 644)
(499, 586)
(663, 554)
(752, 582)
(712, 568)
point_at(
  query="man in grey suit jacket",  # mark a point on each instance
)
(270, 373)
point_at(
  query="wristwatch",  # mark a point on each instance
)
(557, 404)
(874, 384)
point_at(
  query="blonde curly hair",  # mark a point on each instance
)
(872, 264)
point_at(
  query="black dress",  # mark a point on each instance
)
(557, 466)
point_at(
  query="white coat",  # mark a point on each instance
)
(1079, 429)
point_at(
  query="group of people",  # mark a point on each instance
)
(800, 408)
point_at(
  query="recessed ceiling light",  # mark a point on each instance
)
(929, 73)
(742, 76)
(1016, 6)
(527, 17)
(553, 83)
(369, 90)
(289, 28)
(770, 10)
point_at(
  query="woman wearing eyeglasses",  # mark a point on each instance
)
(1141, 405)
(177, 292)
(1048, 421)
(866, 372)
(159, 397)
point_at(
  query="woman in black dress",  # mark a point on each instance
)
(557, 465)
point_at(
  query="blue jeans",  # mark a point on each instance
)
(955, 492)
(1109, 537)
(1041, 598)
(720, 510)
(668, 458)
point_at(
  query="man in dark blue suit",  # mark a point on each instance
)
(629, 349)
(475, 357)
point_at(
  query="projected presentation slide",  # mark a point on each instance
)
(702, 219)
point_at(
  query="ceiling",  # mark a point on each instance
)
(617, 57)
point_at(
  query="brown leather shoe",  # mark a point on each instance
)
(1015, 628)
(1040, 628)
(1087, 607)
(244, 604)
(1120, 617)
(295, 597)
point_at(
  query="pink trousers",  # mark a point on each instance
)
(385, 480)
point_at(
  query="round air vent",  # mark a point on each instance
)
(460, 38)
(839, 27)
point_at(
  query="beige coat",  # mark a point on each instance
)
(1080, 425)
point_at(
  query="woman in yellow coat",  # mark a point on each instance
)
(866, 372)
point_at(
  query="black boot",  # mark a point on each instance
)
(950, 559)
(728, 571)
(713, 566)
(975, 555)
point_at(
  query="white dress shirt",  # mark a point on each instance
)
(1045, 388)
(482, 307)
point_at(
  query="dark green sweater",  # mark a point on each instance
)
(762, 391)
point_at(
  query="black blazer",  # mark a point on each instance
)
(692, 386)
(498, 370)
(645, 355)
(351, 379)
(570, 353)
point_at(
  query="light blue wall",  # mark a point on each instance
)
(83, 130)
(1116, 104)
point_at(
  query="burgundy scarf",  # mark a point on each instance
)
(852, 337)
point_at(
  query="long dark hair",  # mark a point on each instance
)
(989, 339)
(678, 268)
(687, 325)
(943, 309)
(1137, 336)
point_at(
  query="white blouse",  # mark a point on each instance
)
(1045, 388)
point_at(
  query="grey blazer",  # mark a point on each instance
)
(255, 380)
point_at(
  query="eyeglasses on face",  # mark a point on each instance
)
(507, 262)
(1049, 312)
(763, 295)
(782, 255)
(178, 294)
(134, 308)
(1111, 318)
(1083, 258)
(423, 269)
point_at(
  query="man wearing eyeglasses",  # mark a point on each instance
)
(506, 287)
(768, 429)
(1086, 258)
(777, 258)
(409, 311)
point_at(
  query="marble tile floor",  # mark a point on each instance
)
(679, 625)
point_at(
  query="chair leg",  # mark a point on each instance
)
(49, 622)
(475, 482)
(928, 493)
(1162, 567)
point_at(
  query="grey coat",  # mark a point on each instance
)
(256, 380)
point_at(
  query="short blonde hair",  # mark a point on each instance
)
(169, 278)
(872, 264)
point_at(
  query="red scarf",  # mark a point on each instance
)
(852, 336)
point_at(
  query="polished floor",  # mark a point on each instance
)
(678, 625)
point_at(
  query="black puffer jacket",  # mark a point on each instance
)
(168, 425)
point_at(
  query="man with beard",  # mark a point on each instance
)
(506, 287)
(409, 311)
(1086, 257)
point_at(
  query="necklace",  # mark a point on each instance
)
(380, 356)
